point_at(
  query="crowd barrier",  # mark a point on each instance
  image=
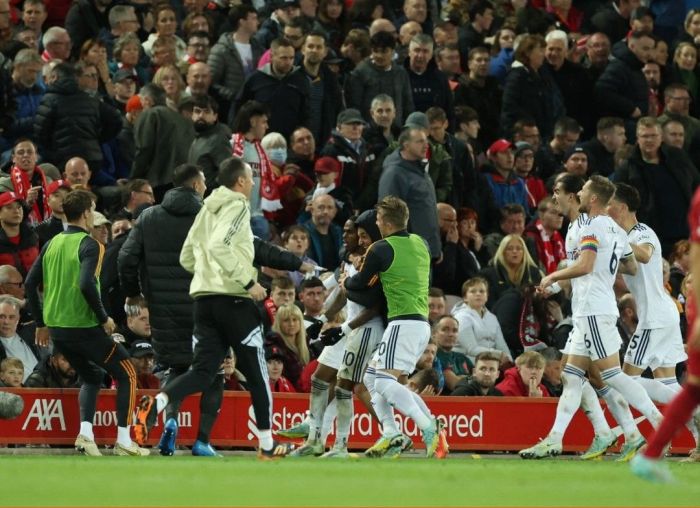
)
(51, 416)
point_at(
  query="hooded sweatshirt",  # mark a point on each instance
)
(219, 249)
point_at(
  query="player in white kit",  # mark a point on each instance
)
(657, 342)
(603, 248)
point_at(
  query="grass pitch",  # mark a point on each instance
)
(463, 480)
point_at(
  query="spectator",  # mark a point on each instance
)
(212, 141)
(168, 77)
(296, 240)
(197, 47)
(56, 191)
(162, 139)
(355, 48)
(275, 358)
(128, 55)
(551, 156)
(483, 380)
(57, 45)
(523, 165)
(463, 171)
(165, 19)
(282, 87)
(66, 110)
(545, 232)
(54, 372)
(473, 34)
(12, 373)
(19, 245)
(679, 258)
(327, 171)
(512, 222)
(429, 86)
(652, 74)
(12, 284)
(27, 93)
(429, 362)
(480, 91)
(143, 359)
(312, 295)
(551, 378)
(506, 186)
(407, 31)
(288, 334)
(614, 19)
(124, 89)
(571, 78)
(33, 17)
(610, 137)
(622, 89)
(235, 55)
(137, 193)
(302, 150)
(377, 75)
(597, 55)
(138, 325)
(447, 61)
(85, 20)
(677, 107)
(512, 268)
(628, 321)
(455, 365)
(436, 304)
(529, 93)
(502, 53)
(673, 133)
(575, 163)
(286, 182)
(479, 330)
(283, 12)
(325, 96)
(665, 178)
(382, 130)
(233, 378)
(100, 229)
(525, 379)
(122, 20)
(282, 292)
(404, 176)
(12, 343)
(28, 181)
(326, 236)
(198, 79)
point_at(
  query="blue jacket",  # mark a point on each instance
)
(27, 101)
(507, 190)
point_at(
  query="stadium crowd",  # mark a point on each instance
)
(472, 112)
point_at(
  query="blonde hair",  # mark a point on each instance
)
(298, 343)
(158, 80)
(531, 359)
(11, 362)
(499, 257)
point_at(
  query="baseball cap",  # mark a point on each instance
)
(123, 74)
(133, 104)
(55, 185)
(325, 165)
(498, 146)
(417, 120)
(7, 198)
(274, 352)
(281, 4)
(574, 150)
(141, 348)
(100, 219)
(522, 146)
(350, 115)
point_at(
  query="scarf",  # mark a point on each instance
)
(269, 192)
(552, 248)
(270, 308)
(21, 184)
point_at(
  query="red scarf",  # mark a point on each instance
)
(270, 308)
(551, 248)
(270, 202)
(21, 184)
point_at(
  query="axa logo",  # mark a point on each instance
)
(45, 411)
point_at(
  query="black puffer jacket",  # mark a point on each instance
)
(622, 86)
(152, 250)
(69, 123)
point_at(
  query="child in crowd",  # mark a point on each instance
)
(479, 329)
(296, 241)
(275, 369)
(12, 372)
(525, 379)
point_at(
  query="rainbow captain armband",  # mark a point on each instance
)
(589, 243)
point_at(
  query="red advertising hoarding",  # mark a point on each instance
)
(51, 416)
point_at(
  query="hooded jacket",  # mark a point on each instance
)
(219, 248)
(622, 86)
(513, 385)
(227, 68)
(149, 262)
(287, 97)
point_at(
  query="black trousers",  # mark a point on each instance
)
(89, 351)
(221, 322)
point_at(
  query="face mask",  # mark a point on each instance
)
(277, 155)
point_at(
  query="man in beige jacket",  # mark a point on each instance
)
(219, 253)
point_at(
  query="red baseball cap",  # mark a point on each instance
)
(7, 198)
(500, 145)
(326, 165)
(55, 185)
